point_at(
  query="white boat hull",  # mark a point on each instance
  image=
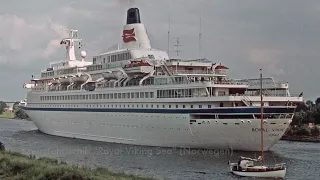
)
(157, 129)
(267, 174)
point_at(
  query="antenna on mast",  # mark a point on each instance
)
(178, 45)
(200, 36)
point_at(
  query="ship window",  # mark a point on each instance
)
(177, 106)
(169, 106)
(141, 94)
(104, 60)
(137, 95)
(191, 106)
(100, 96)
(142, 105)
(147, 106)
(146, 94)
(200, 106)
(115, 96)
(97, 96)
(111, 96)
(163, 106)
(152, 105)
(128, 95)
(132, 95)
(183, 106)
(93, 96)
(209, 106)
(151, 94)
(86, 96)
(107, 96)
(221, 104)
(119, 95)
(123, 95)
(157, 106)
(104, 96)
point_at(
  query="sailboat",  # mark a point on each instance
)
(245, 166)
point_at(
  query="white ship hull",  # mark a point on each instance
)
(162, 130)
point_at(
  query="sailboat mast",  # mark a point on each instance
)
(262, 155)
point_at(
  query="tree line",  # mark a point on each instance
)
(306, 112)
(18, 112)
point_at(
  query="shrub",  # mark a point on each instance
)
(315, 131)
(303, 131)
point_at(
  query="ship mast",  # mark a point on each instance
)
(262, 155)
(70, 44)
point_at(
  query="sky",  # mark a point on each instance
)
(281, 37)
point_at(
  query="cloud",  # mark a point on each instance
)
(25, 38)
(73, 12)
(267, 59)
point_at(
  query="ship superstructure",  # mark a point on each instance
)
(139, 95)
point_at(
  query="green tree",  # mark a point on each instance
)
(317, 101)
(299, 118)
(2, 147)
(15, 106)
(20, 114)
(3, 105)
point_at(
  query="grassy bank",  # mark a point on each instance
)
(18, 166)
(7, 115)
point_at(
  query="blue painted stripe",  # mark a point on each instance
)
(247, 110)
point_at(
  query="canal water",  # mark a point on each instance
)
(302, 159)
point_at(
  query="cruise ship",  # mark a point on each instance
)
(135, 94)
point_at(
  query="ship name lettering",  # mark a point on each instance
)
(277, 129)
(259, 129)
(274, 135)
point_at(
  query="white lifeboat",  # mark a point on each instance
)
(55, 81)
(138, 66)
(80, 78)
(65, 81)
(114, 75)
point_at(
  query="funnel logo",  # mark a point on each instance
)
(128, 35)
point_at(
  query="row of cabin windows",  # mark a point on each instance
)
(181, 93)
(47, 74)
(114, 58)
(95, 67)
(131, 106)
(99, 96)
